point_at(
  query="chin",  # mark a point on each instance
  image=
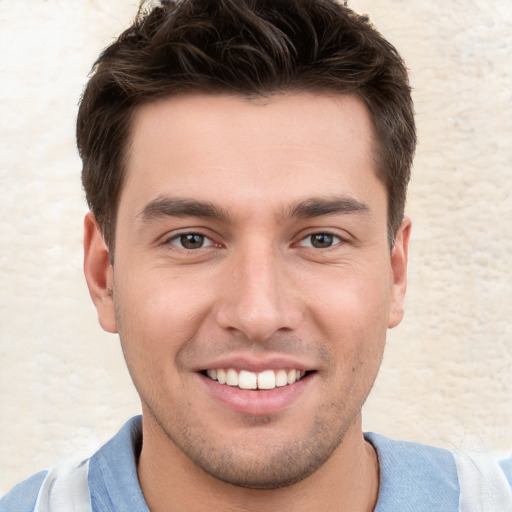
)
(278, 471)
(265, 460)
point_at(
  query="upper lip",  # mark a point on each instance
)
(256, 363)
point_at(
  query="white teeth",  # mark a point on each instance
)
(221, 376)
(267, 379)
(247, 380)
(232, 377)
(281, 378)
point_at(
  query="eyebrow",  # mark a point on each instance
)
(308, 208)
(318, 206)
(180, 207)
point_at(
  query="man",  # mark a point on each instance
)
(246, 166)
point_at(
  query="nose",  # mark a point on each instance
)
(259, 298)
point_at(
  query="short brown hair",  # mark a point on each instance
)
(242, 47)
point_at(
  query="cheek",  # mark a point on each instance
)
(353, 318)
(355, 306)
(158, 311)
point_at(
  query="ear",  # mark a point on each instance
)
(99, 273)
(399, 256)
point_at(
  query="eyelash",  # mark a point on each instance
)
(181, 236)
(335, 240)
(178, 240)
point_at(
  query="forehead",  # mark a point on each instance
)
(231, 149)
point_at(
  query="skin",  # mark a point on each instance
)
(243, 175)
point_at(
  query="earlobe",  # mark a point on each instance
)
(399, 257)
(99, 273)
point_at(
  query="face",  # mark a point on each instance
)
(253, 281)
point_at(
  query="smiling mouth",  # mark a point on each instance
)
(244, 379)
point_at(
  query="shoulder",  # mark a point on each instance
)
(415, 458)
(506, 467)
(22, 497)
(430, 478)
(423, 476)
(110, 475)
(485, 481)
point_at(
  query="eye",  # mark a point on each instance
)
(320, 240)
(191, 241)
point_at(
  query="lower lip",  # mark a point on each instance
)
(257, 402)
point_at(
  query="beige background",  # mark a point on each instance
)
(446, 377)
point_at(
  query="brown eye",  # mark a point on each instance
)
(191, 241)
(320, 240)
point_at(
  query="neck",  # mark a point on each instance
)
(170, 482)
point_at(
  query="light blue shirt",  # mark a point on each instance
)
(413, 478)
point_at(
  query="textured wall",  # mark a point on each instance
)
(446, 377)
